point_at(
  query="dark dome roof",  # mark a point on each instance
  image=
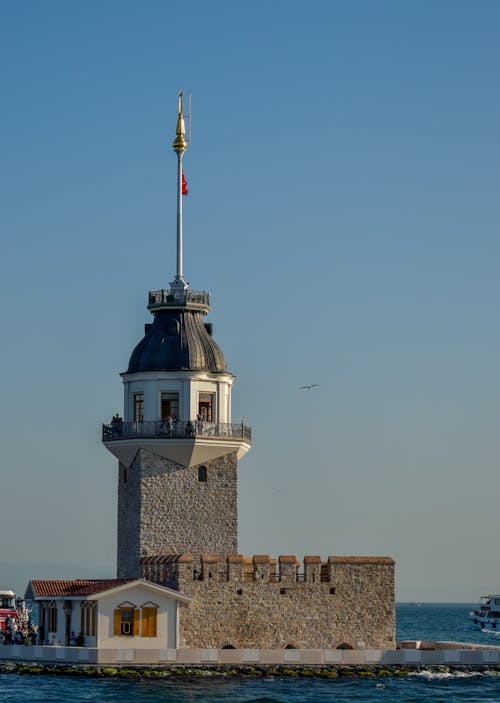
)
(177, 341)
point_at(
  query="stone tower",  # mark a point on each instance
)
(176, 444)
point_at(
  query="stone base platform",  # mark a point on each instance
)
(409, 654)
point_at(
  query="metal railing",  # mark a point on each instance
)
(175, 429)
(167, 296)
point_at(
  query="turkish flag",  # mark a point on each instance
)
(184, 185)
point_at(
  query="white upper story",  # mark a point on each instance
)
(180, 395)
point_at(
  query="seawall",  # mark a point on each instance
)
(409, 656)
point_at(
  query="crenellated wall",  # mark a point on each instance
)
(267, 603)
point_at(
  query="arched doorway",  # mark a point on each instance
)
(344, 645)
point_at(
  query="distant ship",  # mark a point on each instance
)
(487, 614)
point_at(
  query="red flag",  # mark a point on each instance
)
(184, 185)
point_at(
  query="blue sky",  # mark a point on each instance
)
(343, 212)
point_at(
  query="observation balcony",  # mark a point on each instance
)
(179, 298)
(175, 428)
(188, 443)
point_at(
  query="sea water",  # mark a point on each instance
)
(414, 621)
(419, 689)
(438, 621)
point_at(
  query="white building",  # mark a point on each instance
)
(109, 613)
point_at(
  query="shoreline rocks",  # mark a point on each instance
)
(228, 671)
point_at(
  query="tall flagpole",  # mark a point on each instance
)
(180, 146)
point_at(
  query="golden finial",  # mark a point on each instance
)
(180, 143)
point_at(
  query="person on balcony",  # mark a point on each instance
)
(117, 424)
(199, 424)
(167, 426)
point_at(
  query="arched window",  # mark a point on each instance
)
(344, 645)
(52, 619)
(88, 618)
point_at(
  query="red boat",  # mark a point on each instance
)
(11, 607)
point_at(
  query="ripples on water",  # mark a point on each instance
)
(427, 621)
(422, 689)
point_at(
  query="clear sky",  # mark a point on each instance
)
(343, 212)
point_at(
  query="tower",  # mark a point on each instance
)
(176, 444)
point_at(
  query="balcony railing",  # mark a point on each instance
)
(175, 429)
(167, 296)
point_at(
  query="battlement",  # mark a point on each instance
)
(181, 571)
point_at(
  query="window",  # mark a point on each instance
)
(149, 621)
(169, 405)
(202, 474)
(126, 622)
(206, 404)
(138, 407)
(52, 617)
(131, 621)
(43, 620)
(87, 618)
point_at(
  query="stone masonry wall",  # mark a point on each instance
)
(164, 509)
(260, 604)
(129, 501)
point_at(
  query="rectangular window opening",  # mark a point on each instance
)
(124, 622)
(149, 622)
(206, 406)
(169, 405)
(138, 407)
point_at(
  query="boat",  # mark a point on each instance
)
(14, 615)
(487, 614)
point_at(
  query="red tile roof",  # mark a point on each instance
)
(78, 587)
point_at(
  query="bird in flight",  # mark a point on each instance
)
(313, 385)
